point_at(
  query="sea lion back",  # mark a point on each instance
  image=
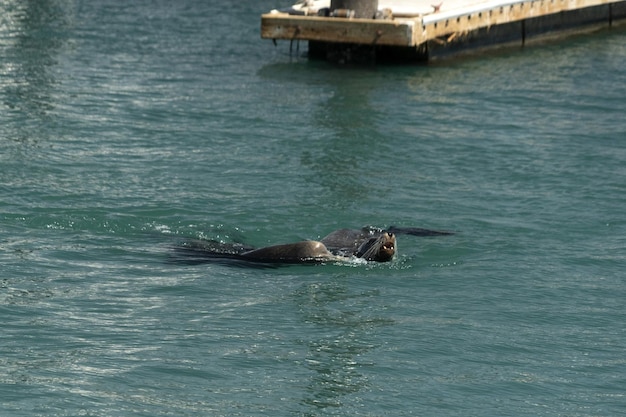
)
(305, 251)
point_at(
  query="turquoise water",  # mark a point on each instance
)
(128, 126)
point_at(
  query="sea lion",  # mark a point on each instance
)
(369, 243)
(345, 243)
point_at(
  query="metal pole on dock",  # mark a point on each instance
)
(348, 52)
(360, 9)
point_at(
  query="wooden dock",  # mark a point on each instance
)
(423, 30)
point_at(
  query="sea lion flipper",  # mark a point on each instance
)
(194, 251)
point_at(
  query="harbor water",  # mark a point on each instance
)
(128, 127)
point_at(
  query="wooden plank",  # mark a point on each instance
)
(332, 29)
(517, 24)
(461, 21)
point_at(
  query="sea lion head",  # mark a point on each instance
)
(380, 248)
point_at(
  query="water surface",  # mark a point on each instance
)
(126, 127)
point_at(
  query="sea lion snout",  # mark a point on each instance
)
(381, 248)
(387, 249)
(390, 242)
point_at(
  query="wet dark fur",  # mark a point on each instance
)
(367, 243)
